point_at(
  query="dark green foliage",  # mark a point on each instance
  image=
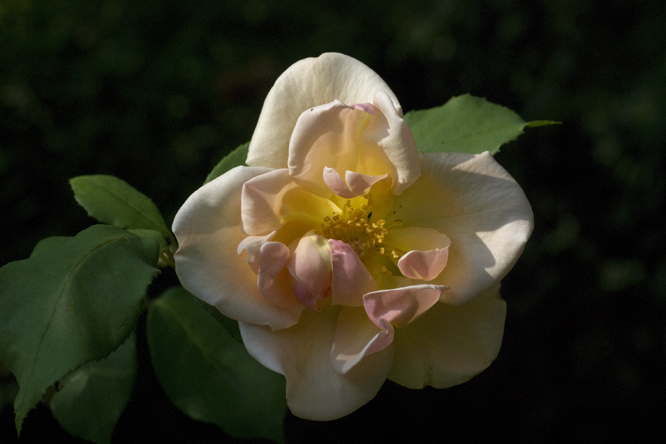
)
(93, 397)
(209, 375)
(81, 298)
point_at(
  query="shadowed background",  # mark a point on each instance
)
(156, 92)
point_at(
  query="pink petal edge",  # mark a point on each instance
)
(423, 265)
(351, 279)
(400, 306)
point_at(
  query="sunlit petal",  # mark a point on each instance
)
(302, 353)
(480, 208)
(208, 229)
(448, 345)
(308, 83)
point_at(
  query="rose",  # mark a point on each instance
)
(348, 257)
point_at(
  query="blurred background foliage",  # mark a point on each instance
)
(156, 92)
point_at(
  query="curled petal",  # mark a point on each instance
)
(273, 199)
(331, 135)
(252, 245)
(357, 183)
(208, 229)
(357, 337)
(342, 138)
(480, 208)
(273, 277)
(400, 306)
(310, 265)
(427, 251)
(449, 344)
(396, 140)
(308, 83)
(351, 279)
(302, 353)
(423, 265)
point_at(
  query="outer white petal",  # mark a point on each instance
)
(357, 337)
(395, 138)
(480, 207)
(305, 84)
(302, 354)
(208, 229)
(448, 345)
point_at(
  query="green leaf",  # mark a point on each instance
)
(465, 124)
(49, 243)
(233, 159)
(94, 396)
(113, 201)
(536, 123)
(69, 305)
(150, 234)
(229, 324)
(209, 375)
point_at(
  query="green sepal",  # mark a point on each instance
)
(209, 375)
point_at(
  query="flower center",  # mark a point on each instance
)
(353, 227)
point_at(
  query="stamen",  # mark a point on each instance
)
(353, 227)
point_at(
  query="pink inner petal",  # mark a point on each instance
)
(305, 297)
(310, 265)
(253, 244)
(424, 265)
(400, 306)
(367, 107)
(351, 279)
(273, 278)
(356, 184)
(360, 183)
(336, 184)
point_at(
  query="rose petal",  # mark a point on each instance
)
(449, 344)
(273, 199)
(427, 251)
(423, 265)
(351, 280)
(480, 208)
(310, 265)
(400, 306)
(273, 277)
(332, 135)
(356, 184)
(252, 245)
(357, 337)
(304, 85)
(302, 354)
(348, 139)
(208, 230)
(367, 107)
(395, 138)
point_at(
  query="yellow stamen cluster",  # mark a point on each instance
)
(353, 227)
